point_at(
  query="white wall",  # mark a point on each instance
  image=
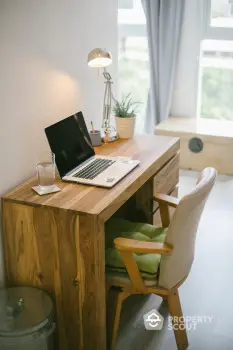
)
(44, 76)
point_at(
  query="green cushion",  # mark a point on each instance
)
(147, 263)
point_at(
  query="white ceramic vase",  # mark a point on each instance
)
(125, 127)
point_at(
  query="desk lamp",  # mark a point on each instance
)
(99, 58)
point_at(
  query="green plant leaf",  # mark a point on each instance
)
(125, 108)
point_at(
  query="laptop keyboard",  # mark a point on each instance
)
(94, 169)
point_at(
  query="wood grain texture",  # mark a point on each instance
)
(133, 271)
(62, 253)
(93, 281)
(132, 245)
(169, 200)
(152, 151)
(20, 245)
(164, 214)
(114, 305)
(176, 313)
(56, 242)
(157, 217)
(166, 203)
(168, 177)
(165, 182)
(64, 228)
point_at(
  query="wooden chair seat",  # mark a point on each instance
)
(118, 279)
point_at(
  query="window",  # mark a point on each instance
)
(133, 54)
(222, 13)
(216, 62)
(217, 79)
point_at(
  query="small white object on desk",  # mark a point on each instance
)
(46, 190)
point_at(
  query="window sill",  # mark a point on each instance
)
(200, 126)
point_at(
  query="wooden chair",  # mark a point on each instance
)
(177, 254)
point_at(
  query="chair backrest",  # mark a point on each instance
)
(182, 231)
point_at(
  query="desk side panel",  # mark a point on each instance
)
(40, 251)
(92, 255)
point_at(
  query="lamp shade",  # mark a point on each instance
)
(99, 58)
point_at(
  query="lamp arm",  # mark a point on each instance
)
(108, 77)
(107, 107)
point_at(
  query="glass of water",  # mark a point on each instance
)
(46, 171)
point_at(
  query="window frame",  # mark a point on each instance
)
(186, 100)
(211, 32)
(125, 4)
(134, 30)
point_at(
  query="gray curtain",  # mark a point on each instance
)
(164, 24)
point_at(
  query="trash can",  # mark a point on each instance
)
(26, 319)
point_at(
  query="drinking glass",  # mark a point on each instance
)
(46, 171)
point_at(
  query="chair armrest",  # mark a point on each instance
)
(166, 199)
(132, 245)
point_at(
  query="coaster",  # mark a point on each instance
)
(46, 190)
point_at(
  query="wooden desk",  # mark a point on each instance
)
(56, 242)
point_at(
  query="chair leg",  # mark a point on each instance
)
(114, 305)
(177, 315)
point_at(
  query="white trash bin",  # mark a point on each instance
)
(26, 319)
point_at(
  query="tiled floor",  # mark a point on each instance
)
(208, 290)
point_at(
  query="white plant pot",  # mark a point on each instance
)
(125, 127)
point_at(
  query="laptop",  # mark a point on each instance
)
(75, 157)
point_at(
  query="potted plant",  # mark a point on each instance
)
(125, 114)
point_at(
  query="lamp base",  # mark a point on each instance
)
(110, 139)
(110, 134)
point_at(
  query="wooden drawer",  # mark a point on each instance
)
(168, 177)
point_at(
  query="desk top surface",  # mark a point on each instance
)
(152, 151)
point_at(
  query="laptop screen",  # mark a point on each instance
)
(69, 140)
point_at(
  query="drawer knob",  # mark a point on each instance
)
(76, 283)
